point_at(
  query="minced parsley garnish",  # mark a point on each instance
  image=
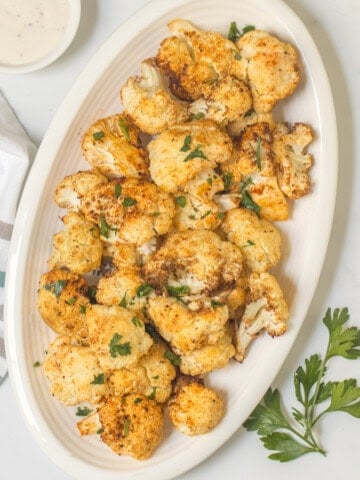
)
(221, 215)
(127, 423)
(209, 181)
(174, 359)
(207, 213)
(144, 290)
(98, 379)
(249, 243)
(237, 56)
(234, 32)
(197, 153)
(91, 293)
(36, 364)
(117, 190)
(245, 184)
(104, 227)
(100, 431)
(129, 202)
(186, 145)
(178, 292)
(56, 287)
(98, 135)
(248, 203)
(258, 154)
(198, 115)
(227, 179)
(181, 201)
(123, 302)
(248, 28)
(215, 303)
(71, 301)
(82, 309)
(138, 400)
(116, 349)
(153, 393)
(137, 322)
(83, 412)
(124, 129)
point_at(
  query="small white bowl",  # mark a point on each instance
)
(59, 49)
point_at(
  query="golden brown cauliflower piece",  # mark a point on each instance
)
(62, 303)
(235, 129)
(132, 211)
(123, 255)
(271, 68)
(117, 336)
(182, 151)
(71, 189)
(195, 409)
(78, 247)
(74, 373)
(292, 162)
(151, 376)
(111, 145)
(148, 102)
(184, 329)
(208, 358)
(132, 425)
(266, 309)
(197, 260)
(194, 59)
(258, 240)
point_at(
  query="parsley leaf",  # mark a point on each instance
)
(129, 202)
(249, 243)
(153, 393)
(127, 423)
(98, 135)
(181, 201)
(197, 153)
(198, 115)
(144, 290)
(174, 359)
(117, 190)
(285, 445)
(221, 215)
(137, 322)
(98, 379)
(248, 203)
(215, 303)
(178, 292)
(104, 227)
(248, 28)
(91, 293)
(36, 364)
(123, 302)
(56, 288)
(227, 179)
(116, 349)
(71, 301)
(124, 127)
(343, 342)
(234, 32)
(82, 309)
(83, 412)
(186, 145)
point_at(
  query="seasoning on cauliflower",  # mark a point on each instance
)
(74, 373)
(151, 376)
(131, 211)
(292, 162)
(61, 303)
(78, 247)
(111, 145)
(71, 189)
(208, 358)
(184, 329)
(148, 102)
(117, 336)
(235, 129)
(271, 68)
(258, 240)
(195, 409)
(197, 261)
(122, 254)
(266, 309)
(132, 425)
(182, 151)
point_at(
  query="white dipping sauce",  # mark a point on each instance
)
(30, 29)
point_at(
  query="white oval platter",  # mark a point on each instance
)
(305, 237)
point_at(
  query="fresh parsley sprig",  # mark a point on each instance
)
(290, 439)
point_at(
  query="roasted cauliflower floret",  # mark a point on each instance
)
(195, 409)
(235, 129)
(71, 189)
(148, 102)
(78, 247)
(182, 151)
(271, 68)
(132, 211)
(117, 336)
(184, 329)
(258, 240)
(292, 162)
(132, 425)
(123, 254)
(74, 373)
(198, 261)
(227, 100)
(62, 303)
(208, 358)
(111, 145)
(266, 309)
(151, 376)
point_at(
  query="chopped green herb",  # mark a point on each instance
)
(155, 377)
(178, 292)
(221, 215)
(117, 190)
(156, 214)
(144, 290)
(82, 309)
(174, 359)
(100, 431)
(249, 112)
(116, 349)
(192, 217)
(215, 303)
(124, 129)
(83, 412)
(181, 201)
(138, 400)
(248, 203)
(129, 202)
(56, 288)
(258, 154)
(123, 302)
(153, 393)
(98, 135)
(209, 181)
(91, 293)
(249, 243)
(71, 301)
(197, 153)
(127, 423)
(227, 179)
(234, 32)
(206, 214)
(98, 379)
(104, 227)
(186, 145)
(237, 56)
(243, 185)
(36, 364)
(137, 322)
(198, 115)
(248, 28)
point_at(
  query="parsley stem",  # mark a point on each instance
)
(317, 388)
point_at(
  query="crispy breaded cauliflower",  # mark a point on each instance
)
(198, 260)
(195, 409)
(72, 188)
(194, 59)
(258, 240)
(125, 287)
(271, 68)
(208, 358)
(61, 303)
(132, 211)
(148, 102)
(78, 247)
(117, 336)
(132, 425)
(151, 376)
(227, 100)
(266, 309)
(74, 373)
(111, 145)
(236, 128)
(184, 329)
(182, 151)
(123, 254)
(292, 162)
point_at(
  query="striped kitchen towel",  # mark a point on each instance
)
(16, 154)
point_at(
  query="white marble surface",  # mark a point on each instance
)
(334, 26)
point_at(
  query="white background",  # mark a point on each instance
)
(334, 26)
